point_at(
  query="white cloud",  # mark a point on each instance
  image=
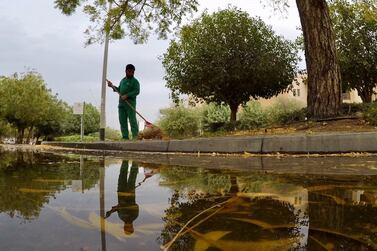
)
(34, 34)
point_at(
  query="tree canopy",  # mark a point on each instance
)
(26, 103)
(132, 18)
(229, 57)
(355, 25)
(91, 120)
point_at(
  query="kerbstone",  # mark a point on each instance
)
(298, 143)
(218, 145)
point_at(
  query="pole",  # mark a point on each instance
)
(103, 91)
(102, 172)
(81, 172)
(82, 123)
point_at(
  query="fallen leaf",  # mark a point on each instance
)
(202, 245)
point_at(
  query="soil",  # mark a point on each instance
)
(311, 127)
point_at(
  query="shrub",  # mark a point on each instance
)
(292, 116)
(286, 111)
(253, 116)
(353, 108)
(370, 113)
(110, 134)
(215, 116)
(5, 128)
(180, 121)
(76, 138)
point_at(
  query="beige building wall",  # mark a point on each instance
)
(297, 94)
(299, 91)
(353, 97)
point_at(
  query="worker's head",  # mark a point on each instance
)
(128, 229)
(130, 70)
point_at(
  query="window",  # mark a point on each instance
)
(296, 92)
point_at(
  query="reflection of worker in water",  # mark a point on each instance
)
(127, 208)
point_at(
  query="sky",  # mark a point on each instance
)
(36, 36)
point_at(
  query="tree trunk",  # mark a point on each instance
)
(233, 112)
(324, 89)
(29, 135)
(20, 135)
(234, 189)
(365, 94)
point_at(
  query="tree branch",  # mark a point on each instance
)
(120, 15)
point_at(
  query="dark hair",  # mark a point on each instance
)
(130, 67)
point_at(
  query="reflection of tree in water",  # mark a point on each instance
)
(342, 224)
(244, 221)
(195, 179)
(342, 211)
(28, 180)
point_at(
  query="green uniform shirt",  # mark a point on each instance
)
(129, 87)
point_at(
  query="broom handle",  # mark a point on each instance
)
(133, 108)
(141, 116)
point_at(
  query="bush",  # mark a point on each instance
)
(253, 116)
(110, 134)
(215, 117)
(180, 121)
(77, 138)
(286, 111)
(292, 116)
(353, 108)
(370, 113)
(5, 128)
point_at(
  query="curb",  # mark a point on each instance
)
(300, 144)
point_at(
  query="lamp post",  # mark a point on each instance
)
(103, 91)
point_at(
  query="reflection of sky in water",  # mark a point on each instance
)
(67, 221)
(255, 211)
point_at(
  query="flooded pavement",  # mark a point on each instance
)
(74, 202)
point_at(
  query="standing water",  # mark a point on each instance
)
(72, 202)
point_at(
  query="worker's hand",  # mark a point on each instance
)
(109, 83)
(124, 97)
(108, 213)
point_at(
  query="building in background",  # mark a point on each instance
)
(299, 91)
(297, 94)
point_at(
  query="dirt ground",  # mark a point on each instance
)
(310, 127)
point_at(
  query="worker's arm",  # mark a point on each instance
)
(112, 210)
(110, 84)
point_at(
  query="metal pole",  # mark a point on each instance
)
(103, 92)
(81, 133)
(82, 122)
(81, 172)
(102, 173)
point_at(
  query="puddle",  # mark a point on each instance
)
(72, 202)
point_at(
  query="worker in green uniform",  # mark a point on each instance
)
(127, 208)
(128, 89)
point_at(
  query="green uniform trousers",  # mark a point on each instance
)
(126, 113)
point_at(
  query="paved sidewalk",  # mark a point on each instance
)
(296, 143)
